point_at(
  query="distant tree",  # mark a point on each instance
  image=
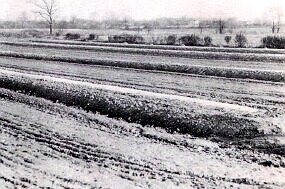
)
(273, 27)
(221, 26)
(47, 10)
(149, 29)
(74, 20)
(126, 23)
(201, 26)
(62, 25)
(23, 19)
(156, 24)
(276, 15)
(138, 29)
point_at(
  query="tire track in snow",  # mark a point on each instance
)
(42, 140)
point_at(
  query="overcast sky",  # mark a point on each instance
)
(147, 9)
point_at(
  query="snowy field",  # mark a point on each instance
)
(93, 116)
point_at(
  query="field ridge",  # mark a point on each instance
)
(158, 52)
(257, 74)
(171, 112)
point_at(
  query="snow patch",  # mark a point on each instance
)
(137, 92)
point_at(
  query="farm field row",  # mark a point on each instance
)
(122, 56)
(273, 71)
(268, 104)
(159, 52)
(227, 72)
(173, 112)
(182, 113)
(235, 91)
(164, 47)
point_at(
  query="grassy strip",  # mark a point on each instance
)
(158, 52)
(273, 76)
(175, 113)
(165, 47)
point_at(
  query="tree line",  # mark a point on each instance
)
(48, 9)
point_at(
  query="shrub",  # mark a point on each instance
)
(72, 36)
(171, 40)
(134, 39)
(191, 40)
(273, 42)
(240, 40)
(57, 34)
(208, 41)
(126, 38)
(93, 37)
(120, 38)
(228, 39)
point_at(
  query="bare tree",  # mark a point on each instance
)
(279, 16)
(222, 25)
(276, 15)
(201, 26)
(23, 19)
(126, 23)
(273, 27)
(47, 10)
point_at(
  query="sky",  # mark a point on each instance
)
(146, 9)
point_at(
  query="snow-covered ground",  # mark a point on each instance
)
(45, 144)
(71, 125)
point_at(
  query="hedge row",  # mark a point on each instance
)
(159, 52)
(240, 40)
(166, 47)
(188, 40)
(179, 68)
(126, 38)
(175, 113)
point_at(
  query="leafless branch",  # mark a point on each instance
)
(46, 9)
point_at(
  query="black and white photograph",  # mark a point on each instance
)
(142, 94)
